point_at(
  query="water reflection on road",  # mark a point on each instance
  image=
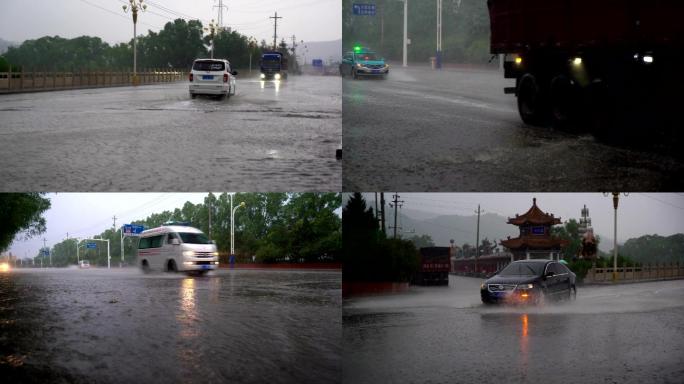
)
(623, 334)
(123, 326)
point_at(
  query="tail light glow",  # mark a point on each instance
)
(225, 77)
(191, 76)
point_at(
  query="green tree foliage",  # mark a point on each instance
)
(655, 249)
(570, 232)
(367, 254)
(274, 227)
(21, 212)
(465, 29)
(421, 241)
(175, 46)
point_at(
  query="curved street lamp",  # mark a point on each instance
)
(616, 198)
(212, 29)
(135, 6)
(232, 229)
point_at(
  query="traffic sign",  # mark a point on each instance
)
(363, 9)
(91, 245)
(317, 63)
(132, 229)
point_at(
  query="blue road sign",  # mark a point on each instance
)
(132, 229)
(46, 252)
(363, 9)
(91, 245)
(317, 63)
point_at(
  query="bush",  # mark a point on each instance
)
(580, 267)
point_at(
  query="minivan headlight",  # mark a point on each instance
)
(214, 254)
(188, 253)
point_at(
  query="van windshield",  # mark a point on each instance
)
(209, 66)
(194, 238)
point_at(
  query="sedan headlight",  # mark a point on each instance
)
(358, 65)
(525, 286)
(188, 253)
(483, 286)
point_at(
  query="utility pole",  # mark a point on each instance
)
(220, 13)
(275, 30)
(209, 210)
(438, 55)
(377, 214)
(382, 27)
(382, 211)
(396, 204)
(477, 238)
(405, 31)
(114, 224)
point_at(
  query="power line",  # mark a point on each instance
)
(115, 13)
(662, 201)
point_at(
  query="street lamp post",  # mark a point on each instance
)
(232, 229)
(616, 197)
(135, 6)
(212, 29)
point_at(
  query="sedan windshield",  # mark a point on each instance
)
(368, 56)
(522, 269)
(194, 238)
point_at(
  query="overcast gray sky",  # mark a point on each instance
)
(85, 214)
(308, 20)
(638, 213)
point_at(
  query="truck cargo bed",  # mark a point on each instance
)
(519, 25)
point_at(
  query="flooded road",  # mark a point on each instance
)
(630, 333)
(271, 136)
(236, 326)
(455, 130)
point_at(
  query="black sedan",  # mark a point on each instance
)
(529, 281)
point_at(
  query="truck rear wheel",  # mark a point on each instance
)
(563, 99)
(532, 106)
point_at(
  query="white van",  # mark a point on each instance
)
(176, 247)
(212, 77)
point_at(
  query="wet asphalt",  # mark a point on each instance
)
(268, 137)
(455, 130)
(120, 326)
(629, 333)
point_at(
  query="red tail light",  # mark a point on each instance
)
(225, 77)
(191, 76)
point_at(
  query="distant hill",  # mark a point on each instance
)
(328, 51)
(655, 249)
(462, 229)
(4, 44)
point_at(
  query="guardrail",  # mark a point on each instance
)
(640, 273)
(47, 81)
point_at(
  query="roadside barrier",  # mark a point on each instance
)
(640, 273)
(16, 82)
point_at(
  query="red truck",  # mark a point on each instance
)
(434, 266)
(579, 59)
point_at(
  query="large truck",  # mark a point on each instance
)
(591, 61)
(435, 265)
(273, 65)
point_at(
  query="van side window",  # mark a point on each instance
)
(171, 237)
(156, 241)
(151, 242)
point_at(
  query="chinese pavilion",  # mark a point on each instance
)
(535, 240)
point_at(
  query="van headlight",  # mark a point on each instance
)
(188, 253)
(277, 76)
(263, 76)
(215, 254)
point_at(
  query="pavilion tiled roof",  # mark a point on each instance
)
(532, 241)
(534, 216)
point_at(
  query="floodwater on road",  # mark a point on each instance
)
(630, 333)
(455, 130)
(270, 136)
(106, 326)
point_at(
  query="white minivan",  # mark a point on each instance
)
(212, 77)
(176, 247)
